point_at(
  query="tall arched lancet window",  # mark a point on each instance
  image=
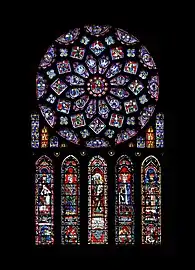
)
(151, 200)
(70, 201)
(124, 201)
(44, 201)
(97, 201)
(150, 139)
(35, 130)
(44, 137)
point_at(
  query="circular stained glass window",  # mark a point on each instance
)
(97, 86)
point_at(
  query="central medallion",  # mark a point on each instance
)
(97, 86)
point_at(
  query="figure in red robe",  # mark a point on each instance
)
(70, 176)
(124, 175)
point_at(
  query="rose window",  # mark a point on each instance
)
(102, 81)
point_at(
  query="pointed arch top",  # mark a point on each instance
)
(98, 164)
(124, 161)
(97, 160)
(44, 165)
(70, 165)
(43, 159)
(151, 160)
(70, 158)
(123, 158)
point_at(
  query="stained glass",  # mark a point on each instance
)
(114, 103)
(58, 86)
(145, 114)
(131, 67)
(153, 86)
(131, 120)
(97, 125)
(131, 144)
(143, 74)
(51, 98)
(97, 47)
(140, 142)
(80, 69)
(120, 80)
(109, 40)
(41, 86)
(53, 141)
(116, 120)
(91, 64)
(78, 120)
(35, 130)
(63, 120)
(113, 70)
(56, 154)
(63, 106)
(109, 133)
(63, 145)
(146, 58)
(136, 87)
(124, 202)
(69, 37)
(91, 109)
(70, 201)
(44, 137)
(97, 30)
(97, 143)
(48, 58)
(63, 52)
(117, 53)
(131, 52)
(103, 109)
(151, 201)
(130, 106)
(111, 153)
(143, 99)
(96, 76)
(104, 62)
(97, 86)
(125, 135)
(150, 138)
(44, 202)
(84, 40)
(159, 130)
(74, 92)
(63, 67)
(49, 115)
(97, 201)
(75, 80)
(51, 73)
(125, 37)
(85, 133)
(69, 135)
(80, 103)
(119, 92)
(77, 52)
